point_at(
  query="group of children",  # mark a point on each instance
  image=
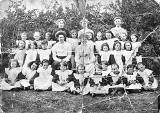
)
(78, 63)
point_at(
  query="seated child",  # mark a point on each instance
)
(130, 79)
(101, 84)
(44, 80)
(11, 79)
(29, 74)
(148, 80)
(115, 80)
(62, 80)
(82, 81)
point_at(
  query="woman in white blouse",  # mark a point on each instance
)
(61, 50)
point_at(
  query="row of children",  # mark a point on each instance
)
(45, 78)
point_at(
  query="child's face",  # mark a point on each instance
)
(13, 64)
(33, 66)
(84, 24)
(89, 36)
(23, 36)
(104, 67)
(105, 48)
(45, 65)
(83, 40)
(117, 47)
(21, 45)
(123, 37)
(37, 35)
(99, 36)
(74, 35)
(63, 68)
(108, 35)
(141, 67)
(133, 38)
(81, 70)
(44, 46)
(32, 46)
(47, 36)
(128, 46)
(61, 24)
(61, 38)
(115, 68)
(130, 70)
(118, 22)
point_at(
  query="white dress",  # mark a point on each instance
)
(12, 75)
(118, 31)
(110, 42)
(132, 78)
(105, 55)
(28, 74)
(44, 81)
(145, 75)
(44, 54)
(63, 76)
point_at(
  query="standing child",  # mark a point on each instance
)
(135, 43)
(44, 80)
(123, 39)
(37, 36)
(20, 53)
(49, 40)
(12, 73)
(62, 79)
(131, 81)
(148, 80)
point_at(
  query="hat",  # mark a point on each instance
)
(60, 33)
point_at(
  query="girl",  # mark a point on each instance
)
(123, 39)
(117, 55)
(37, 36)
(49, 40)
(11, 79)
(62, 79)
(110, 39)
(24, 38)
(74, 43)
(45, 53)
(105, 53)
(44, 80)
(20, 53)
(128, 53)
(82, 81)
(135, 43)
(29, 74)
(148, 80)
(31, 54)
(131, 81)
(85, 55)
(98, 41)
(117, 30)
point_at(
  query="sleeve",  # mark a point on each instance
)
(54, 48)
(32, 79)
(20, 77)
(69, 53)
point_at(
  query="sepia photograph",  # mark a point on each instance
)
(79, 56)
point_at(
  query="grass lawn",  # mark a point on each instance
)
(62, 102)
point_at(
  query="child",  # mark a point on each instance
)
(105, 53)
(123, 39)
(148, 80)
(63, 79)
(44, 80)
(45, 53)
(10, 81)
(115, 80)
(74, 43)
(132, 84)
(48, 38)
(110, 39)
(98, 41)
(20, 53)
(31, 54)
(117, 55)
(101, 84)
(135, 43)
(37, 36)
(90, 40)
(82, 81)
(24, 38)
(128, 53)
(29, 74)
(117, 30)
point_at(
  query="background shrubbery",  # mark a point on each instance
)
(139, 16)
